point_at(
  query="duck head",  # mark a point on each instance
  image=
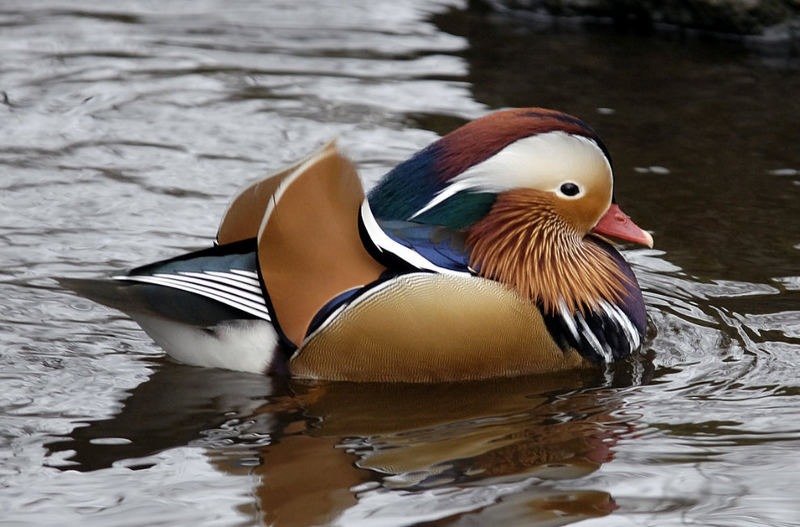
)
(531, 188)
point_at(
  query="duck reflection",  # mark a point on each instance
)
(327, 451)
(176, 406)
(414, 438)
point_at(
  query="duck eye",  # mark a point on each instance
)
(569, 189)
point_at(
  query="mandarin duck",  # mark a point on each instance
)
(483, 255)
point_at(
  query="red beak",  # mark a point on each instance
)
(617, 224)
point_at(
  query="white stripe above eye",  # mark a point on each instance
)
(209, 287)
(384, 243)
(544, 162)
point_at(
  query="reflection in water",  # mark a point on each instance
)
(125, 129)
(327, 452)
(174, 407)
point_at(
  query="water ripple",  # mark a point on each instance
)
(125, 132)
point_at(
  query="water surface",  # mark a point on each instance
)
(125, 129)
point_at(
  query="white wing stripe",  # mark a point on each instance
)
(224, 290)
(256, 309)
(243, 279)
(247, 274)
(223, 278)
(385, 243)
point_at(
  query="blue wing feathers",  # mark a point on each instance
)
(222, 258)
(391, 199)
(442, 246)
(227, 274)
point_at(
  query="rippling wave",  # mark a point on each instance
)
(125, 130)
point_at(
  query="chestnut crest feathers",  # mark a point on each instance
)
(527, 186)
(455, 180)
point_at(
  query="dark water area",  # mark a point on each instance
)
(126, 128)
